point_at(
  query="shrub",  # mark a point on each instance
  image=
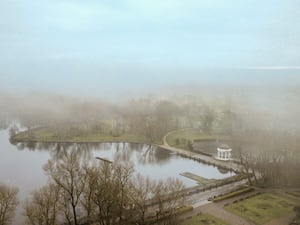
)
(233, 194)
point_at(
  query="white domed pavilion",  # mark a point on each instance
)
(224, 152)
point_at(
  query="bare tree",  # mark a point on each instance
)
(141, 191)
(43, 208)
(69, 175)
(165, 115)
(92, 173)
(168, 195)
(8, 203)
(104, 194)
(122, 176)
(208, 116)
(248, 162)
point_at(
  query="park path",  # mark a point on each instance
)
(165, 143)
(217, 210)
(200, 157)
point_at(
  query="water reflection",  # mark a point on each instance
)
(141, 153)
(148, 160)
(222, 171)
(21, 164)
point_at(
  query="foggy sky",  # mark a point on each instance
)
(104, 47)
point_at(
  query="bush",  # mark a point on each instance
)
(232, 194)
(183, 141)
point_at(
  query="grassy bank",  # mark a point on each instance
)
(184, 138)
(47, 134)
(232, 194)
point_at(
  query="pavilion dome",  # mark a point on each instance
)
(224, 146)
(224, 152)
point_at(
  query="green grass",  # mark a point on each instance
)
(51, 135)
(184, 136)
(180, 138)
(262, 208)
(205, 219)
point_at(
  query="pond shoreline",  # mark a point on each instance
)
(231, 166)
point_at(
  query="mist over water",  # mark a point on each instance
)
(271, 108)
(113, 69)
(275, 105)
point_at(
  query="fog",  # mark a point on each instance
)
(260, 118)
(264, 107)
(45, 108)
(83, 72)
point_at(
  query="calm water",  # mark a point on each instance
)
(21, 165)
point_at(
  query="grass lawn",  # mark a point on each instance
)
(262, 208)
(50, 135)
(180, 138)
(204, 219)
(183, 136)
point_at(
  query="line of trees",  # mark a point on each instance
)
(8, 203)
(269, 158)
(99, 192)
(149, 118)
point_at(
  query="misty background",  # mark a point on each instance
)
(63, 58)
(140, 66)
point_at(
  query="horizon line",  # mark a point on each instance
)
(270, 68)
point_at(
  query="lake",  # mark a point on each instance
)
(21, 165)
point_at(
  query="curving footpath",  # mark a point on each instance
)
(199, 157)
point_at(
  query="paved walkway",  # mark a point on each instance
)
(200, 157)
(199, 201)
(217, 210)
